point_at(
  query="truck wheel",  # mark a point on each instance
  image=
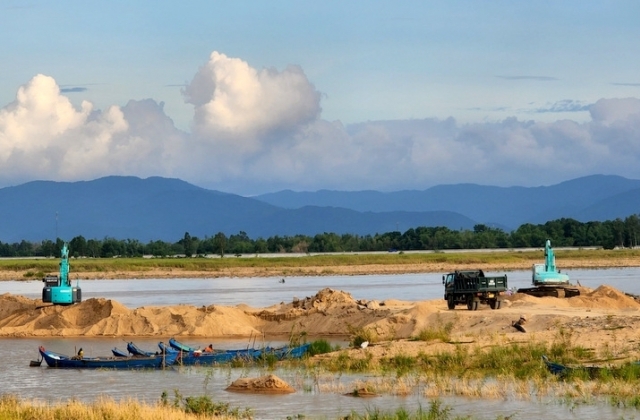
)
(451, 303)
(472, 304)
(495, 304)
(498, 304)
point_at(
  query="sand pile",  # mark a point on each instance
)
(328, 312)
(12, 304)
(324, 299)
(605, 297)
(269, 384)
(22, 317)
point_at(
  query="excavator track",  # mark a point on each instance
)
(550, 291)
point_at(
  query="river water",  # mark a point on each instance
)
(316, 397)
(266, 291)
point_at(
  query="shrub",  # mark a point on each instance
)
(319, 347)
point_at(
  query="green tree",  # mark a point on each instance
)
(158, 248)
(94, 248)
(78, 246)
(187, 245)
(241, 244)
(220, 241)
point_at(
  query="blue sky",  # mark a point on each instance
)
(251, 97)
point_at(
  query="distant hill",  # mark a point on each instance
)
(596, 197)
(616, 206)
(164, 209)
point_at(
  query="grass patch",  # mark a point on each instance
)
(441, 333)
(12, 408)
(203, 406)
(361, 335)
(320, 346)
(33, 275)
(436, 411)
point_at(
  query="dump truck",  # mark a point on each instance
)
(472, 287)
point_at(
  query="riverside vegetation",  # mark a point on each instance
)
(322, 264)
(12, 408)
(562, 232)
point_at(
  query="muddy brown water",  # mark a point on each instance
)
(42, 383)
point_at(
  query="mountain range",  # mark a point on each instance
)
(164, 209)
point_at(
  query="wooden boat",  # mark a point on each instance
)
(288, 352)
(119, 353)
(178, 346)
(175, 344)
(58, 360)
(137, 351)
(562, 370)
(555, 368)
(245, 353)
(191, 356)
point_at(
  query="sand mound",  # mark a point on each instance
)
(325, 298)
(328, 312)
(269, 384)
(361, 393)
(22, 317)
(10, 304)
(605, 297)
(92, 311)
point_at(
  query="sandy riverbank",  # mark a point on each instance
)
(604, 319)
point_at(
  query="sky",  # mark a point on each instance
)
(251, 97)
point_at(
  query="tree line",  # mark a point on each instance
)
(563, 232)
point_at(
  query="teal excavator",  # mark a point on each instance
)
(58, 289)
(547, 279)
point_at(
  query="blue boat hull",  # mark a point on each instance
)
(58, 360)
(189, 356)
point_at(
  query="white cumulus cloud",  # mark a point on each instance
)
(233, 100)
(43, 136)
(256, 131)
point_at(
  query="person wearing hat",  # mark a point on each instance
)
(519, 324)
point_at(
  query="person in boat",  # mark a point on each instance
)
(208, 349)
(80, 355)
